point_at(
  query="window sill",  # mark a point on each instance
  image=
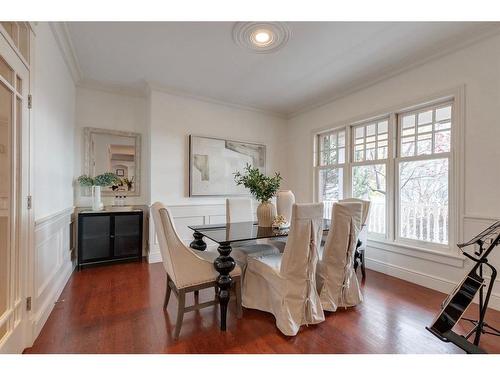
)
(448, 258)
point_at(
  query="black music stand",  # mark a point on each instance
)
(479, 325)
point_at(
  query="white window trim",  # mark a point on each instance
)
(352, 164)
(456, 171)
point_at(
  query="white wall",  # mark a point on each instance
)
(172, 120)
(53, 127)
(97, 108)
(476, 67)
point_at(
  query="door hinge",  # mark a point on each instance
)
(30, 101)
(28, 304)
(30, 202)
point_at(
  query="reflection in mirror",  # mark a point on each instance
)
(115, 152)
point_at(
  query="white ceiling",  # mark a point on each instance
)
(321, 60)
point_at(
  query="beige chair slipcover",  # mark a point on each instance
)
(337, 283)
(284, 203)
(240, 210)
(285, 284)
(185, 266)
(363, 234)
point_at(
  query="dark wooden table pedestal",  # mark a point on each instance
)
(224, 264)
(198, 243)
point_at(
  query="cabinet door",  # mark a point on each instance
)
(128, 235)
(95, 237)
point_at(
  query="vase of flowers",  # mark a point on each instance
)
(95, 184)
(263, 188)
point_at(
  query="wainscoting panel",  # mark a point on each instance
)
(52, 265)
(185, 215)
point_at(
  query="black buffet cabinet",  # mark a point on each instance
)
(109, 236)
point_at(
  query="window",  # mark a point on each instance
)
(331, 159)
(424, 137)
(402, 163)
(370, 153)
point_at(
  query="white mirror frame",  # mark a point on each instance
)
(87, 132)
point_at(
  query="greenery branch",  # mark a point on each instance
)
(104, 180)
(261, 186)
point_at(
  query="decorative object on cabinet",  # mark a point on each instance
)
(213, 161)
(263, 188)
(109, 235)
(96, 183)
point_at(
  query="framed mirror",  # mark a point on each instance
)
(117, 152)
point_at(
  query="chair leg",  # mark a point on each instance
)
(237, 289)
(196, 296)
(180, 313)
(167, 293)
(363, 272)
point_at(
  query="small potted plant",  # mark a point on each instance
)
(95, 183)
(263, 188)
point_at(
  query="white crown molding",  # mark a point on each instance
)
(464, 43)
(63, 39)
(140, 91)
(154, 86)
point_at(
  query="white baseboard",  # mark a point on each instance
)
(428, 281)
(154, 257)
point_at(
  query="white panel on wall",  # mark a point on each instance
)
(53, 265)
(217, 219)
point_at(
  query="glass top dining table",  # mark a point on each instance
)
(237, 232)
(225, 235)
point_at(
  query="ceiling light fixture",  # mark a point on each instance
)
(261, 37)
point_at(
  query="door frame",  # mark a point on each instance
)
(22, 217)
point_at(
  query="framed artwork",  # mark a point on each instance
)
(213, 162)
(120, 172)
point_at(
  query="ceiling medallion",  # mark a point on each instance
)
(261, 37)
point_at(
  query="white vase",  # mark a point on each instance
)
(266, 213)
(284, 202)
(96, 199)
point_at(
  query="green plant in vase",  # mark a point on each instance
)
(263, 188)
(96, 183)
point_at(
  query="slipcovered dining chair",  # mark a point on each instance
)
(359, 254)
(336, 280)
(285, 284)
(240, 210)
(284, 203)
(187, 270)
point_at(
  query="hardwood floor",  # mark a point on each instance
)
(118, 309)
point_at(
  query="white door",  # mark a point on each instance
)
(14, 184)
